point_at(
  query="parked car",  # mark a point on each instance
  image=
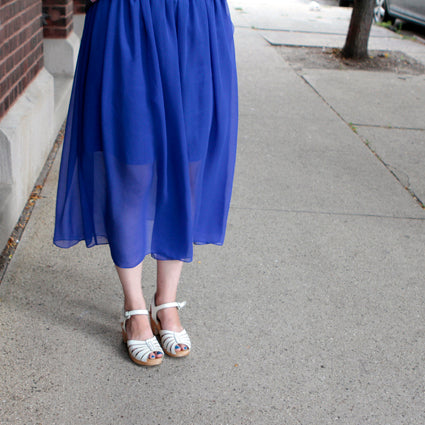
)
(389, 10)
(408, 10)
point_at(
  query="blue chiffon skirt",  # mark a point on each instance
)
(150, 141)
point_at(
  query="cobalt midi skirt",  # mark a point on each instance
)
(149, 148)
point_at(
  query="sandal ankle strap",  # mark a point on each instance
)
(128, 314)
(156, 308)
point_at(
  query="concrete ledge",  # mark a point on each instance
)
(28, 130)
(60, 58)
(6, 221)
(78, 21)
(62, 88)
(26, 136)
(60, 54)
(5, 160)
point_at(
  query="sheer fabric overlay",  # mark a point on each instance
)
(150, 141)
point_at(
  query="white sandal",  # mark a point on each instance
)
(169, 339)
(139, 351)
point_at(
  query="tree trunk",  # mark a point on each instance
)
(358, 33)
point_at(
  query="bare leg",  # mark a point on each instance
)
(138, 327)
(168, 275)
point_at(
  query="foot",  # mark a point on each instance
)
(170, 320)
(138, 328)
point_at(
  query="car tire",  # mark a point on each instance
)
(380, 12)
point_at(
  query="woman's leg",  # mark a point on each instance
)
(138, 327)
(168, 275)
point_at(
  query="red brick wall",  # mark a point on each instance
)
(21, 48)
(79, 6)
(58, 18)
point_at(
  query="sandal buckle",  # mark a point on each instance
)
(181, 305)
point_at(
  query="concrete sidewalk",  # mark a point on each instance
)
(311, 313)
(297, 23)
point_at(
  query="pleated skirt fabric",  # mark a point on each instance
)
(150, 142)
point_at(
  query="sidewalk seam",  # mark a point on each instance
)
(364, 141)
(387, 127)
(312, 212)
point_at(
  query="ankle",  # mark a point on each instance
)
(130, 306)
(160, 299)
(139, 327)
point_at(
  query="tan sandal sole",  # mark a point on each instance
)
(152, 362)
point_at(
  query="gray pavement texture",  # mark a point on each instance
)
(313, 310)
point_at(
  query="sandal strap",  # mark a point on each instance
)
(140, 350)
(168, 305)
(156, 308)
(128, 314)
(170, 339)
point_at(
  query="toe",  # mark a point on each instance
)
(182, 347)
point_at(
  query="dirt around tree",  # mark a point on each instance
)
(330, 58)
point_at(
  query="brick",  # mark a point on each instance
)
(10, 99)
(56, 12)
(24, 60)
(8, 47)
(8, 11)
(18, 22)
(31, 28)
(21, 38)
(56, 2)
(28, 2)
(57, 18)
(79, 10)
(4, 87)
(30, 13)
(7, 101)
(26, 49)
(79, 6)
(4, 2)
(12, 77)
(55, 32)
(58, 21)
(8, 64)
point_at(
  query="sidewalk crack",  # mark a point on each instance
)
(353, 126)
(331, 213)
